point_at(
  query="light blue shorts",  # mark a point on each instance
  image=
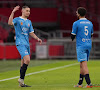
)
(83, 54)
(23, 50)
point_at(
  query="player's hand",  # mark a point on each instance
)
(39, 40)
(16, 8)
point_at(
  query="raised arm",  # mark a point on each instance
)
(35, 37)
(10, 21)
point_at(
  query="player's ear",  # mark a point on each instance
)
(22, 10)
(78, 15)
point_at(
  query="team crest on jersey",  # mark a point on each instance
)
(21, 23)
(28, 24)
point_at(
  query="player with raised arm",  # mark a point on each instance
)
(83, 30)
(23, 28)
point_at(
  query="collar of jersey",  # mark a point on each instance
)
(83, 19)
(22, 18)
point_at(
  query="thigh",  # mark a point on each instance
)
(26, 59)
(22, 50)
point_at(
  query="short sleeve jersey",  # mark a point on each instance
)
(22, 29)
(83, 29)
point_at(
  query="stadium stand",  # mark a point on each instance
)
(56, 50)
(55, 17)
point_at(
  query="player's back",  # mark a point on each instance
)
(84, 31)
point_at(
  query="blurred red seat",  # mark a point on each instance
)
(2, 52)
(56, 50)
(11, 52)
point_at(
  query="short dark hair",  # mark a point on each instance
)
(82, 11)
(25, 7)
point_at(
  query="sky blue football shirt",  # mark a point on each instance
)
(83, 29)
(22, 29)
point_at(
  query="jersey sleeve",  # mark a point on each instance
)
(92, 30)
(74, 28)
(31, 28)
(15, 21)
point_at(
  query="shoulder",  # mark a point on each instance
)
(89, 21)
(76, 22)
(16, 18)
(29, 20)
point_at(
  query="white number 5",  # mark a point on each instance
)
(86, 30)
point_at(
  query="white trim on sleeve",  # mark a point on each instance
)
(31, 32)
(73, 33)
(91, 33)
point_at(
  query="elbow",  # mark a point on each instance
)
(9, 23)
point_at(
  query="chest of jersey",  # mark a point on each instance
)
(24, 25)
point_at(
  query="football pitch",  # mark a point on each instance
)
(47, 75)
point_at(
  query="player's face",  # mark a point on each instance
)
(26, 12)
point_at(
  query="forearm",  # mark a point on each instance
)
(34, 36)
(11, 18)
(10, 21)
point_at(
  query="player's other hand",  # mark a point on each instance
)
(39, 40)
(16, 8)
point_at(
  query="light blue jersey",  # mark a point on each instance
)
(22, 29)
(83, 29)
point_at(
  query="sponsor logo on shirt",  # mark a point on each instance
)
(24, 31)
(83, 39)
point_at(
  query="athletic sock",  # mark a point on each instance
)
(87, 78)
(20, 69)
(81, 79)
(23, 71)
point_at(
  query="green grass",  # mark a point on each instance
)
(60, 79)
(15, 64)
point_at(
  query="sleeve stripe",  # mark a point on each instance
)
(31, 32)
(73, 33)
(92, 33)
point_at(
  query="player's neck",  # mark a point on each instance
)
(81, 17)
(24, 17)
